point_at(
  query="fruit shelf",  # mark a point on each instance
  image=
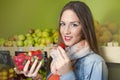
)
(14, 49)
(111, 54)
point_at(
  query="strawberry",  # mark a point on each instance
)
(20, 67)
(62, 45)
(21, 54)
(28, 57)
(21, 59)
(31, 53)
(37, 52)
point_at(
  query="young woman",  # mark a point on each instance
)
(80, 59)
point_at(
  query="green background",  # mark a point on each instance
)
(18, 16)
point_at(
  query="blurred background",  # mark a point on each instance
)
(18, 16)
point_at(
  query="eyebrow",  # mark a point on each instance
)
(72, 21)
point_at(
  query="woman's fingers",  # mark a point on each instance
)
(63, 53)
(34, 69)
(18, 72)
(38, 67)
(33, 66)
(25, 70)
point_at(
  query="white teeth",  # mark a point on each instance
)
(67, 37)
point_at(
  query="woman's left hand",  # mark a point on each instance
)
(33, 72)
(62, 64)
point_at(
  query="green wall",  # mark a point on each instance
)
(18, 16)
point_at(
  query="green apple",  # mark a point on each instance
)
(20, 43)
(21, 37)
(49, 40)
(39, 34)
(39, 41)
(55, 39)
(25, 42)
(28, 35)
(36, 39)
(30, 42)
(43, 40)
(37, 30)
(45, 34)
(34, 35)
(2, 41)
(36, 45)
(55, 34)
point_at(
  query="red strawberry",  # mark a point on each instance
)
(21, 54)
(28, 57)
(62, 45)
(37, 52)
(20, 59)
(15, 58)
(31, 53)
(20, 67)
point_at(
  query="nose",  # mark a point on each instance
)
(67, 30)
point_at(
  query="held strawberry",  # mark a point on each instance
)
(20, 67)
(21, 54)
(37, 52)
(20, 59)
(28, 57)
(62, 45)
(31, 53)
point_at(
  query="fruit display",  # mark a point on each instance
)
(107, 32)
(34, 37)
(22, 58)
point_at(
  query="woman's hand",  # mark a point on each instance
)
(33, 71)
(62, 64)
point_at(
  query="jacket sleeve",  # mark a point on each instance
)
(68, 76)
(99, 72)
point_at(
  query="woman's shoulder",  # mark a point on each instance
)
(92, 57)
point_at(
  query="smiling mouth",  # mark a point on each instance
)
(67, 38)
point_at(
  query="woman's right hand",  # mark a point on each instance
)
(62, 64)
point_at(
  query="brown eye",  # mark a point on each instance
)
(62, 24)
(75, 24)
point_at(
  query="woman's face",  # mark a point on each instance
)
(70, 28)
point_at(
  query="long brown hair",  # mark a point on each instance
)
(85, 16)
